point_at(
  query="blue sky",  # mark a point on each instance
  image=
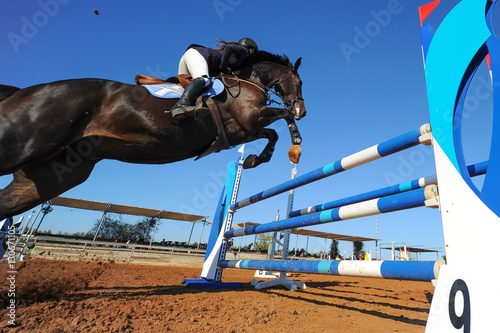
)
(363, 83)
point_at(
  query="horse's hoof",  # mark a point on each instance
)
(294, 154)
(250, 162)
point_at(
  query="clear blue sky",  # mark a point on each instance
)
(363, 83)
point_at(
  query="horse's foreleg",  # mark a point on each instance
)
(294, 131)
(40, 182)
(265, 156)
(295, 151)
(269, 115)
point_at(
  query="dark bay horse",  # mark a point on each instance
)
(52, 135)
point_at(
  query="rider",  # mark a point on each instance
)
(201, 62)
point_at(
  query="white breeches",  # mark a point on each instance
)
(193, 63)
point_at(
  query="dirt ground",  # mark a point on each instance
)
(71, 296)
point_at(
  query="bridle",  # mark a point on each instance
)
(288, 103)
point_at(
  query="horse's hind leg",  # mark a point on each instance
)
(265, 156)
(40, 182)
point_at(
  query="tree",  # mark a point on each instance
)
(116, 228)
(262, 242)
(358, 247)
(334, 249)
(144, 228)
(111, 228)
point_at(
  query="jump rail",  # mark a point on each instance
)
(407, 140)
(427, 196)
(403, 270)
(474, 170)
(221, 229)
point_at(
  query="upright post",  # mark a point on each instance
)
(282, 280)
(211, 273)
(376, 237)
(289, 209)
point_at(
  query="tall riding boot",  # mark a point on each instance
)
(191, 92)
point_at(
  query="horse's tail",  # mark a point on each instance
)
(7, 91)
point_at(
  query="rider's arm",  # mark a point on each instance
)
(232, 57)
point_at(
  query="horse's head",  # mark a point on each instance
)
(289, 89)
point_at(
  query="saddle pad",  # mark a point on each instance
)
(169, 90)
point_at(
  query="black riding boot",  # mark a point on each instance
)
(184, 104)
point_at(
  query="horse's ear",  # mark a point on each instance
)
(297, 64)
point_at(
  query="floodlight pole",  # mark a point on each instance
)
(191, 233)
(201, 235)
(157, 217)
(108, 206)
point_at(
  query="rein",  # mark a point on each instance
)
(268, 91)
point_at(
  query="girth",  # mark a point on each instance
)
(221, 142)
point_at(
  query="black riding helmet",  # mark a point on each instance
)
(248, 43)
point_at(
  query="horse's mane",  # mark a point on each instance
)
(259, 56)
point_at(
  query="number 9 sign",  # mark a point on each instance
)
(462, 321)
(464, 46)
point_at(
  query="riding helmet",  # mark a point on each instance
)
(248, 43)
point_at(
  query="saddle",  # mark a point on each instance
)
(221, 142)
(182, 80)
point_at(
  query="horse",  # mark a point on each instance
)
(52, 134)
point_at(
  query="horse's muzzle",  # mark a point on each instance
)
(299, 110)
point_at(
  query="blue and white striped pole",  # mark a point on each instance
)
(394, 189)
(417, 198)
(399, 143)
(404, 270)
(474, 170)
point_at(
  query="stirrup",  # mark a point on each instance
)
(181, 111)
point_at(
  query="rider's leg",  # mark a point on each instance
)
(191, 92)
(192, 63)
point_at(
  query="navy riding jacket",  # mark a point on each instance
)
(232, 56)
